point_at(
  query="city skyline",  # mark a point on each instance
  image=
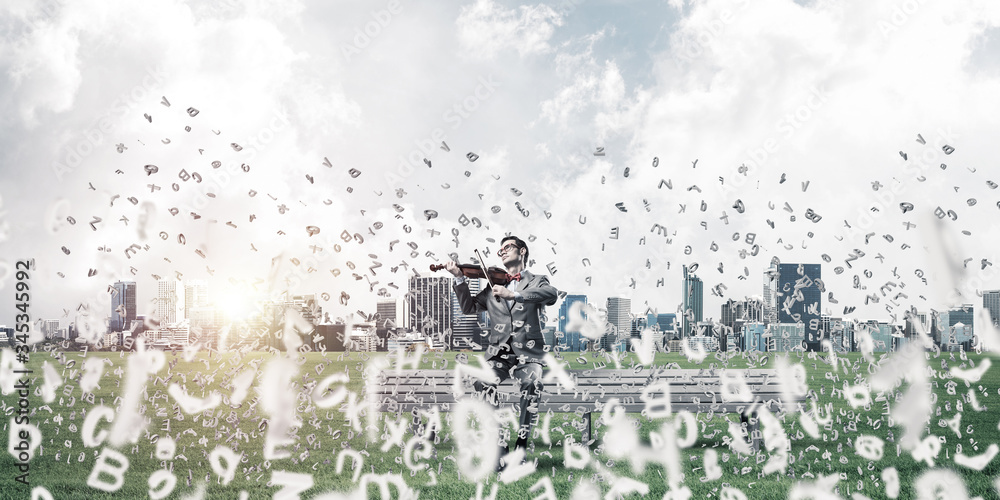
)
(167, 289)
(949, 326)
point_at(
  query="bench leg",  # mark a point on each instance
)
(753, 430)
(415, 423)
(586, 428)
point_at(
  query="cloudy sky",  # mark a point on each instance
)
(319, 117)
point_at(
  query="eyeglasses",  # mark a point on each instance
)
(506, 248)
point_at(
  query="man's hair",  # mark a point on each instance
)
(520, 244)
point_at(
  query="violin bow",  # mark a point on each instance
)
(486, 272)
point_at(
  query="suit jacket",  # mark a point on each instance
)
(526, 338)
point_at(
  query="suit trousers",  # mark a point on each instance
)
(529, 376)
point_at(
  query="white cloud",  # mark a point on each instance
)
(836, 96)
(485, 29)
(41, 64)
(832, 96)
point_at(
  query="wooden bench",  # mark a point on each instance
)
(694, 390)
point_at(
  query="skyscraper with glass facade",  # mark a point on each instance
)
(122, 306)
(430, 304)
(799, 299)
(991, 302)
(693, 295)
(619, 323)
(467, 329)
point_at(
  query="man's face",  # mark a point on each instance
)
(510, 253)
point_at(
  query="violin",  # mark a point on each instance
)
(497, 276)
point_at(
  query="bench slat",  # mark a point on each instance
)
(695, 390)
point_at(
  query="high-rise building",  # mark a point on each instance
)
(111, 339)
(307, 306)
(899, 338)
(195, 295)
(332, 337)
(733, 339)
(840, 333)
(122, 305)
(50, 328)
(619, 323)
(754, 337)
(771, 289)
(383, 336)
(364, 340)
(549, 336)
(639, 323)
(386, 310)
(693, 294)
(430, 304)
(748, 311)
(708, 343)
(786, 337)
(953, 328)
(914, 321)
(166, 302)
(881, 333)
(798, 299)
(667, 323)
(467, 329)
(270, 317)
(570, 341)
(736, 313)
(565, 307)
(991, 302)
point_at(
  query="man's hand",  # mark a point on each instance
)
(452, 268)
(502, 292)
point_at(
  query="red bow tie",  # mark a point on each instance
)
(514, 277)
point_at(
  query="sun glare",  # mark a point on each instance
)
(235, 304)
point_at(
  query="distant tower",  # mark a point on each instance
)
(620, 316)
(195, 296)
(122, 306)
(571, 341)
(430, 304)
(693, 294)
(166, 301)
(991, 302)
(386, 310)
(799, 291)
(465, 329)
(566, 305)
(771, 290)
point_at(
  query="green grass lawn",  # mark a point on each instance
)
(64, 464)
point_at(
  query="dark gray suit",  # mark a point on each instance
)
(516, 345)
(526, 338)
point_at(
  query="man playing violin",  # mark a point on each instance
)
(516, 346)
